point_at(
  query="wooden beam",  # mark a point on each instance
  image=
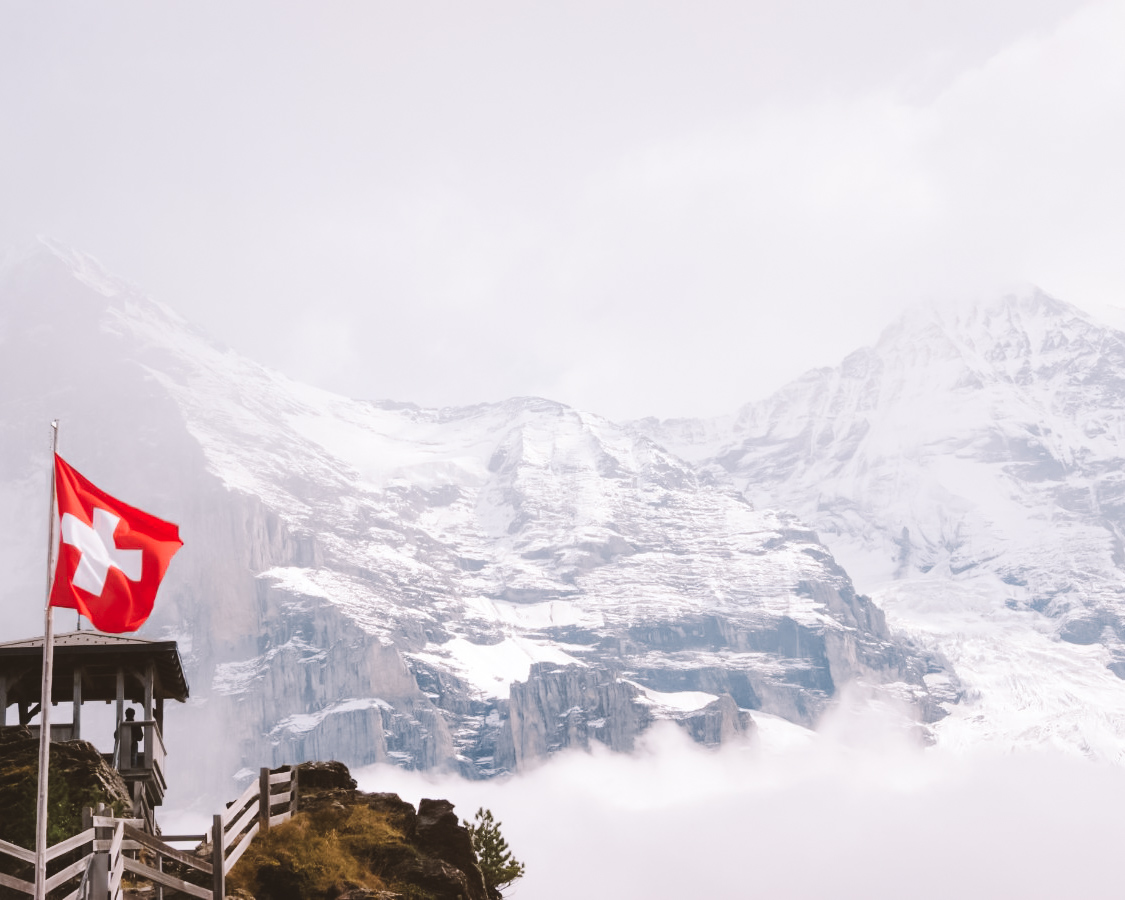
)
(236, 854)
(76, 719)
(163, 849)
(235, 808)
(19, 853)
(70, 843)
(149, 678)
(139, 868)
(16, 884)
(64, 875)
(120, 697)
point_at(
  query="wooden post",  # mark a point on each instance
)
(76, 719)
(219, 879)
(264, 800)
(293, 788)
(120, 701)
(45, 696)
(3, 701)
(99, 869)
(150, 679)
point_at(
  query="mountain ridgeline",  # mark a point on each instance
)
(475, 588)
(466, 588)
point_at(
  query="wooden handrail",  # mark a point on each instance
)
(251, 793)
(18, 852)
(163, 878)
(71, 843)
(232, 832)
(159, 846)
(241, 848)
(111, 822)
(240, 825)
(64, 875)
(16, 884)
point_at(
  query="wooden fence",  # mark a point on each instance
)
(108, 850)
(269, 801)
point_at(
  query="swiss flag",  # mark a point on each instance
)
(111, 556)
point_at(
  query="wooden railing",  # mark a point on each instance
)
(268, 802)
(109, 849)
(151, 757)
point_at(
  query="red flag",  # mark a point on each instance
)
(111, 556)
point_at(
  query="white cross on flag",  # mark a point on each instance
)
(111, 556)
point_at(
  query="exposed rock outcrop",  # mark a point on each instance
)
(78, 777)
(347, 843)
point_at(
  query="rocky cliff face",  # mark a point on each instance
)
(367, 581)
(967, 470)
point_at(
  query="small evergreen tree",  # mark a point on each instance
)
(497, 864)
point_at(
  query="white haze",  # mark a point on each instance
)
(858, 809)
(829, 819)
(635, 208)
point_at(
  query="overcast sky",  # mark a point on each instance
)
(636, 208)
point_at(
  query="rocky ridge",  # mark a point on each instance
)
(367, 581)
(967, 470)
(345, 844)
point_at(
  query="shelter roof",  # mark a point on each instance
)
(98, 656)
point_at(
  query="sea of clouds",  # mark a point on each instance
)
(859, 809)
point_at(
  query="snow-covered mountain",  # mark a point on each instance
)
(967, 470)
(469, 587)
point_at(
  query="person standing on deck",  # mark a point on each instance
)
(132, 734)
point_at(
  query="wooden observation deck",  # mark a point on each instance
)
(90, 666)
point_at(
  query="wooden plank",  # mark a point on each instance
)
(251, 793)
(278, 799)
(16, 884)
(176, 838)
(163, 849)
(282, 777)
(241, 848)
(118, 837)
(111, 822)
(237, 828)
(71, 871)
(113, 885)
(280, 818)
(139, 868)
(70, 843)
(102, 845)
(17, 852)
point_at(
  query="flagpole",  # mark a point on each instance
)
(45, 697)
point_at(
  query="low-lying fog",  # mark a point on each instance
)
(857, 810)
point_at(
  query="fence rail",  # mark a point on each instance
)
(265, 804)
